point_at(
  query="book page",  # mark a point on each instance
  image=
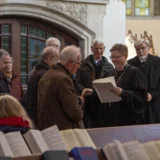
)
(106, 80)
(111, 152)
(103, 88)
(120, 150)
(53, 138)
(135, 151)
(17, 144)
(70, 139)
(84, 138)
(35, 141)
(157, 143)
(151, 150)
(5, 149)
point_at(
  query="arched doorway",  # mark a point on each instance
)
(25, 39)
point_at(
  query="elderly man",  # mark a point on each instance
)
(95, 66)
(9, 81)
(52, 41)
(150, 66)
(48, 57)
(58, 103)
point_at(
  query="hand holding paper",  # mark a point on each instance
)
(107, 90)
(87, 91)
(117, 91)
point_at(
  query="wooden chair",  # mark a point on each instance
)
(150, 39)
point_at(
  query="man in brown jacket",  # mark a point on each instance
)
(58, 103)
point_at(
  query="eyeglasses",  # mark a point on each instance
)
(116, 57)
(143, 48)
(76, 62)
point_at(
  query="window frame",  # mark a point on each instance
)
(152, 3)
(15, 38)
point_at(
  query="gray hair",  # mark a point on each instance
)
(4, 53)
(50, 41)
(140, 41)
(97, 40)
(69, 53)
(49, 51)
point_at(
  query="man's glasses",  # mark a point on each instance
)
(142, 48)
(76, 62)
(116, 57)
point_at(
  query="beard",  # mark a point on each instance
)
(143, 58)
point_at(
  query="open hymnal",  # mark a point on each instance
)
(103, 88)
(53, 139)
(12, 144)
(132, 150)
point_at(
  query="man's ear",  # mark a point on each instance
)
(92, 48)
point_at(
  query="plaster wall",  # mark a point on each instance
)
(151, 25)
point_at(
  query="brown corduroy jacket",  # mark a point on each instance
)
(58, 103)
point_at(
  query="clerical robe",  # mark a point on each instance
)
(151, 70)
(131, 109)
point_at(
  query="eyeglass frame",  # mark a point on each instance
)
(79, 63)
(142, 48)
(116, 57)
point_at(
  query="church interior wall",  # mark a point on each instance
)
(138, 26)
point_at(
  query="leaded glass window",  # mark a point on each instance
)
(128, 7)
(142, 8)
(32, 43)
(5, 35)
(137, 7)
(25, 39)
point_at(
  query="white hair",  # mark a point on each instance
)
(140, 41)
(69, 53)
(51, 40)
(97, 40)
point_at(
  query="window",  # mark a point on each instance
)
(25, 39)
(138, 7)
(156, 7)
(5, 36)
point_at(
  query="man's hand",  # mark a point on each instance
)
(86, 91)
(149, 97)
(117, 91)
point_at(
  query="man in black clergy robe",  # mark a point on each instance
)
(131, 87)
(150, 65)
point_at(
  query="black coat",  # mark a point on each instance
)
(88, 72)
(39, 71)
(4, 87)
(131, 109)
(151, 69)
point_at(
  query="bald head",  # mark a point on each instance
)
(50, 55)
(54, 42)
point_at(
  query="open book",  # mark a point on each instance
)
(132, 150)
(12, 144)
(103, 88)
(53, 139)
